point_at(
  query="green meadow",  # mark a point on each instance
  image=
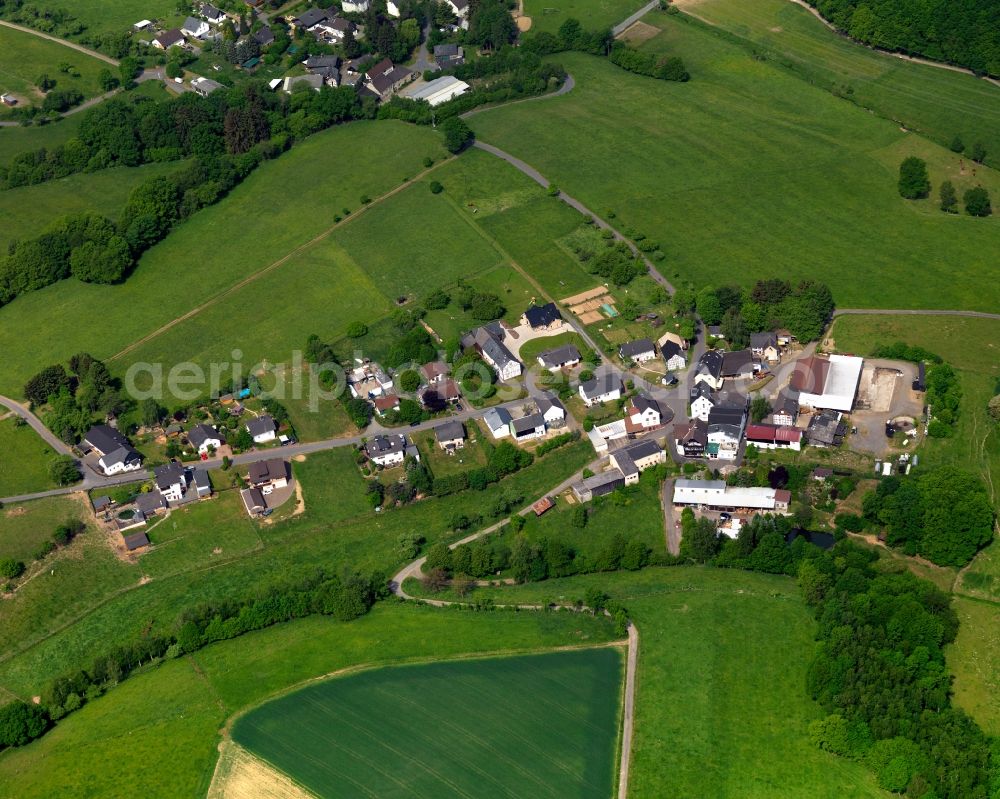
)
(548, 15)
(25, 526)
(538, 725)
(937, 102)
(169, 717)
(749, 172)
(24, 467)
(22, 139)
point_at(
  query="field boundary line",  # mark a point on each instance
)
(276, 264)
(72, 45)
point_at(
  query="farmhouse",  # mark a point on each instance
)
(635, 458)
(168, 39)
(117, 455)
(389, 450)
(673, 356)
(204, 438)
(205, 86)
(542, 317)
(385, 79)
(738, 364)
(637, 351)
(268, 475)
(528, 427)
(709, 369)
(829, 383)
(691, 439)
(772, 436)
(716, 494)
(598, 485)
(450, 436)
(602, 388)
(449, 55)
(437, 91)
(262, 429)
(566, 355)
(765, 346)
(552, 410)
(498, 421)
(488, 342)
(195, 28)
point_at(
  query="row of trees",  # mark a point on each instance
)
(880, 674)
(961, 32)
(804, 309)
(942, 514)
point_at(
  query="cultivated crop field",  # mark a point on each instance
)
(171, 715)
(749, 172)
(24, 57)
(542, 725)
(937, 102)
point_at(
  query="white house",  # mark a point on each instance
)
(268, 475)
(552, 410)
(709, 369)
(205, 438)
(703, 399)
(603, 388)
(498, 422)
(387, 450)
(637, 351)
(635, 458)
(195, 28)
(450, 435)
(786, 409)
(213, 15)
(645, 413)
(460, 8)
(117, 455)
(168, 39)
(528, 427)
(726, 423)
(673, 356)
(171, 481)
(263, 429)
(488, 341)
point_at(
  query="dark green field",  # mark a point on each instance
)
(540, 726)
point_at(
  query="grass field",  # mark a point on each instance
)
(548, 15)
(25, 526)
(29, 210)
(24, 466)
(170, 716)
(722, 665)
(24, 57)
(541, 725)
(937, 102)
(21, 139)
(43, 633)
(118, 16)
(749, 172)
(974, 658)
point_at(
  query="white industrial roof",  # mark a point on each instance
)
(840, 387)
(717, 494)
(438, 91)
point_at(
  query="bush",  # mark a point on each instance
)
(977, 202)
(63, 470)
(914, 184)
(10, 568)
(357, 330)
(21, 723)
(436, 188)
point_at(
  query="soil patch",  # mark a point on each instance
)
(638, 32)
(239, 775)
(523, 24)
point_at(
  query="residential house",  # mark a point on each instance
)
(714, 331)
(212, 15)
(551, 409)
(171, 481)
(195, 28)
(559, 357)
(268, 475)
(262, 429)
(703, 399)
(637, 351)
(264, 36)
(602, 388)
(528, 427)
(117, 455)
(253, 501)
(772, 436)
(311, 17)
(637, 457)
(205, 86)
(150, 503)
(488, 341)
(450, 435)
(726, 423)
(205, 438)
(737, 364)
(784, 337)
(786, 409)
(387, 450)
(645, 413)
(673, 356)
(598, 485)
(765, 346)
(821, 474)
(435, 372)
(437, 396)
(202, 483)
(327, 66)
(498, 422)
(385, 79)
(333, 30)
(386, 403)
(709, 369)
(449, 55)
(691, 439)
(168, 39)
(683, 343)
(542, 317)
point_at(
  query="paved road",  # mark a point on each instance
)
(630, 21)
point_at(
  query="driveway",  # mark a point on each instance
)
(671, 527)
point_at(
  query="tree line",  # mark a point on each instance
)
(960, 32)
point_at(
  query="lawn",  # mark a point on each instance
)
(20, 139)
(27, 211)
(25, 526)
(118, 16)
(538, 725)
(749, 172)
(471, 456)
(24, 57)
(530, 350)
(939, 103)
(721, 685)
(170, 716)
(548, 15)
(43, 634)
(285, 204)
(24, 466)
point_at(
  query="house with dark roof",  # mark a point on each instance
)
(691, 439)
(488, 342)
(604, 387)
(559, 357)
(635, 458)
(708, 370)
(638, 351)
(703, 399)
(528, 427)
(737, 364)
(384, 78)
(171, 481)
(726, 423)
(253, 501)
(673, 356)
(264, 36)
(646, 413)
(312, 17)
(542, 317)
(598, 485)
(262, 429)
(135, 541)
(150, 503)
(387, 450)
(449, 55)
(195, 28)
(213, 15)
(205, 438)
(116, 454)
(785, 410)
(551, 409)
(765, 346)
(450, 435)
(268, 475)
(202, 483)
(168, 39)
